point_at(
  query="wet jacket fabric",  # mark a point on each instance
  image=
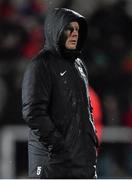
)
(55, 104)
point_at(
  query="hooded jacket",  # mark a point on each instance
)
(55, 101)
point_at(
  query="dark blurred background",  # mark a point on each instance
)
(109, 52)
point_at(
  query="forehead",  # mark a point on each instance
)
(74, 24)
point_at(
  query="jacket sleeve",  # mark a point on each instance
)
(36, 93)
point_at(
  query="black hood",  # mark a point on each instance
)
(55, 23)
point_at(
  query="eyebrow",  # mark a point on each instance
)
(71, 27)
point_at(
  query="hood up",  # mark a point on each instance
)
(55, 23)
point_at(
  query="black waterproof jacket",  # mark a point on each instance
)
(62, 140)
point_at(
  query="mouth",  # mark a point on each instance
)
(71, 44)
(73, 41)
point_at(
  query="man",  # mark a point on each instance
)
(62, 140)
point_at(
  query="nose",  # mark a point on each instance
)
(74, 32)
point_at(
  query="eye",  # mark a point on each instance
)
(77, 28)
(69, 28)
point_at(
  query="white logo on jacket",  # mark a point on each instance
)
(39, 168)
(62, 73)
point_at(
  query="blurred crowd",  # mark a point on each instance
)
(109, 52)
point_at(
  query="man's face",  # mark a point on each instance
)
(72, 35)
